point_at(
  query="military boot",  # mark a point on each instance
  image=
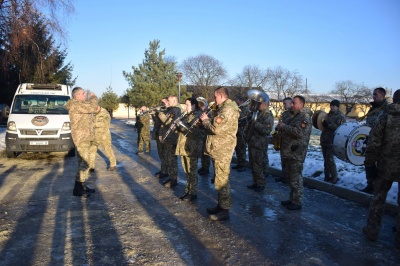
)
(87, 189)
(371, 236)
(221, 215)
(79, 191)
(214, 210)
(368, 189)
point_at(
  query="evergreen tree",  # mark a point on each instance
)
(152, 80)
(109, 100)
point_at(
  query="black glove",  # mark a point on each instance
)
(325, 123)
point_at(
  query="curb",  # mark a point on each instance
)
(339, 191)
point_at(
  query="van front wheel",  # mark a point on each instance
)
(11, 154)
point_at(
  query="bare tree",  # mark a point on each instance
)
(313, 101)
(15, 16)
(282, 83)
(351, 94)
(203, 71)
(251, 77)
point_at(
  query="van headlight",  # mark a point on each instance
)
(66, 126)
(11, 126)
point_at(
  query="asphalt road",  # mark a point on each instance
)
(133, 220)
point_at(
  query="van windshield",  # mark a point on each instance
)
(40, 104)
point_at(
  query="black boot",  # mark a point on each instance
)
(368, 189)
(214, 210)
(79, 191)
(222, 215)
(88, 189)
(252, 186)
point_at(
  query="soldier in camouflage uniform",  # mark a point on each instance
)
(81, 115)
(258, 143)
(190, 147)
(220, 144)
(156, 136)
(102, 136)
(285, 116)
(383, 152)
(332, 121)
(172, 113)
(295, 138)
(142, 126)
(241, 144)
(379, 106)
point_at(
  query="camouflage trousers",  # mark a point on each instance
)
(377, 206)
(160, 150)
(83, 155)
(329, 163)
(205, 159)
(102, 138)
(257, 164)
(285, 171)
(266, 161)
(171, 160)
(221, 183)
(295, 170)
(240, 150)
(205, 162)
(189, 165)
(144, 139)
(371, 174)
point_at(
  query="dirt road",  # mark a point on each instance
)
(133, 220)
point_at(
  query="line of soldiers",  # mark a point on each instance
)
(220, 134)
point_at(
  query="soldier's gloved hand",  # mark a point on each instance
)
(325, 123)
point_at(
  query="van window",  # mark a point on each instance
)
(40, 104)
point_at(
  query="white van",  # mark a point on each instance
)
(38, 120)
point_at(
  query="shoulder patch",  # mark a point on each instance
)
(303, 124)
(219, 119)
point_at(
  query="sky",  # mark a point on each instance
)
(350, 176)
(324, 41)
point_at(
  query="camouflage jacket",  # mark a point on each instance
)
(244, 113)
(81, 115)
(384, 143)
(192, 144)
(262, 129)
(296, 135)
(102, 120)
(166, 119)
(332, 121)
(221, 131)
(143, 124)
(376, 110)
(285, 116)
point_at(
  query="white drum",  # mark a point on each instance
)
(350, 142)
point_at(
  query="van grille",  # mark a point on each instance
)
(26, 132)
(25, 147)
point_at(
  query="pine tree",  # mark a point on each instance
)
(109, 100)
(152, 80)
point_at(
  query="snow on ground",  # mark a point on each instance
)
(350, 176)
